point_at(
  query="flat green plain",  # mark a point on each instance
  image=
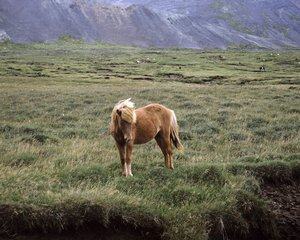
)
(60, 170)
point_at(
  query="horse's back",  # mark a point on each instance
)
(151, 120)
(156, 113)
(154, 108)
(147, 123)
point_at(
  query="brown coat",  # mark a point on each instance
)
(154, 121)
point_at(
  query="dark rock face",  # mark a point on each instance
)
(46, 20)
(162, 23)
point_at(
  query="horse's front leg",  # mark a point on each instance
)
(121, 148)
(129, 146)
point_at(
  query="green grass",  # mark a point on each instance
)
(240, 128)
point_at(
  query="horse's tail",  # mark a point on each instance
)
(174, 133)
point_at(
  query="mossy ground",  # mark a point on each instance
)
(239, 127)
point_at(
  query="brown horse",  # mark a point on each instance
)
(131, 126)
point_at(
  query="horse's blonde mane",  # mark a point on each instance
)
(124, 103)
(128, 113)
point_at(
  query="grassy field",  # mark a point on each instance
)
(60, 171)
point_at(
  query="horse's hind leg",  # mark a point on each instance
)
(164, 142)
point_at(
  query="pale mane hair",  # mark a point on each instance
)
(128, 113)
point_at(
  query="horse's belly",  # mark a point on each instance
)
(142, 140)
(145, 135)
(146, 128)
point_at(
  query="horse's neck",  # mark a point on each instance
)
(121, 135)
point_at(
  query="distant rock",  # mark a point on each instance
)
(157, 23)
(4, 36)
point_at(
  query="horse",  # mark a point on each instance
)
(130, 126)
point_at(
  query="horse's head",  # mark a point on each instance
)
(123, 116)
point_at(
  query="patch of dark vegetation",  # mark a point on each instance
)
(180, 77)
(231, 104)
(86, 234)
(249, 219)
(284, 202)
(103, 69)
(256, 122)
(84, 173)
(29, 130)
(208, 128)
(24, 159)
(107, 109)
(284, 130)
(192, 80)
(236, 136)
(171, 76)
(293, 110)
(116, 64)
(236, 64)
(185, 135)
(143, 78)
(214, 79)
(37, 74)
(250, 159)
(223, 117)
(69, 132)
(270, 172)
(292, 157)
(290, 81)
(39, 64)
(87, 101)
(182, 123)
(244, 81)
(190, 104)
(182, 195)
(28, 134)
(38, 138)
(196, 117)
(217, 57)
(274, 131)
(119, 76)
(70, 217)
(6, 129)
(180, 64)
(69, 39)
(287, 62)
(254, 221)
(10, 71)
(203, 174)
(69, 118)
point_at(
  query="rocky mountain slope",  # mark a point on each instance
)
(162, 23)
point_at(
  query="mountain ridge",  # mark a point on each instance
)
(163, 23)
